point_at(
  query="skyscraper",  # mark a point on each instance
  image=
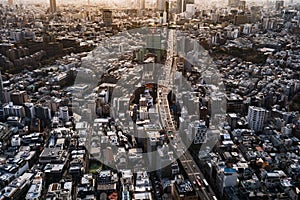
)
(279, 5)
(107, 17)
(140, 4)
(10, 2)
(52, 6)
(160, 5)
(198, 131)
(242, 5)
(1, 98)
(256, 118)
(233, 3)
(180, 6)
(1, 91)
(189, 1)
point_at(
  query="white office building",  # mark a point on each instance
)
(64, 113)
(256, 118)
(198, 131)
(14, 110)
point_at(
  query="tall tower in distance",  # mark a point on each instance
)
(279, 5)
(1, 98)
(89, 9)
(178, 6)
(160, 5)
(52, 6)
(1, 91)
(233, 3)
(10, 2)
(142, 4)
(107, 17)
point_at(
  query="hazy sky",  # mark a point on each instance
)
(72, 1)
(92, 1)
(120, 2)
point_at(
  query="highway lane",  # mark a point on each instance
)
(190, 166)
(192, 170)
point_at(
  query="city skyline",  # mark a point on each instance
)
(123, 2)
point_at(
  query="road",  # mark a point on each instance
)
(167, 120)
(192, 170)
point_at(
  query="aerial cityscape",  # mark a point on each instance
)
(150, 100)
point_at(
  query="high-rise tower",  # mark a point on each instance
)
(52, 6)
(161, 5)
(1, 98)
(181, 5)
(10, 2)
(1, 91)
(107, 17)
(256, 118)
(233, 3)
(279, 5)
(142, 4)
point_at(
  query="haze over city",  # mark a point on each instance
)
(122, 3)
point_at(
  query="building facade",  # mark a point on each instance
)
(52, 6)
(256, 118)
